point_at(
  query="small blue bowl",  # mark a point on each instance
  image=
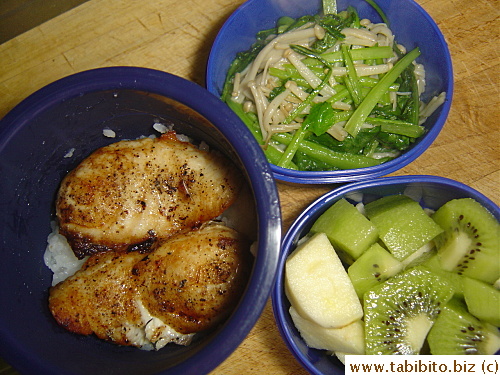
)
(431, 192)
(412, 27)
(71, 114)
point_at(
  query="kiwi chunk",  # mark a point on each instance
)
(458, 332)
(347, 229)
(432, 264)
(374, 266)
(400, 312)
(470, 243)
(403, 225)
(483, 300)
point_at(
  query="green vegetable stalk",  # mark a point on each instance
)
(364, 109)
(300, 133)
(340, 160)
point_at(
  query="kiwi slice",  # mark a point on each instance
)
(458, 332)
(470, 242)
(374, 266)
(400, 312)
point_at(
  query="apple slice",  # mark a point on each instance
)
(317, 284)
(348, 339)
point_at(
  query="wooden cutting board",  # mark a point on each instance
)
(175, 36)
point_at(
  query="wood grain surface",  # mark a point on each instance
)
(176, 36)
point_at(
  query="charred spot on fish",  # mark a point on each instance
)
(184, 169)
(225, 242)
(157, 185)
(135, 271)
(83, 246)
(144, 246)
(164, 184)
(197, 225)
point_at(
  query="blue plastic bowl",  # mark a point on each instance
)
(412, 27)
(433, 192)
(71, 114)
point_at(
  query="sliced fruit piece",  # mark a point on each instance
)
(419, 256)
(457, 332)
(317, 284)
(341, 356)
(453, 278)
(403, 225)
(470, 243)
(400, 312)
(347, 229)
(350, 338)
(483, 300)
(371, 268)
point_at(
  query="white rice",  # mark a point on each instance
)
(107, 132)
(59, 257)
(70, 153)
(161, 128)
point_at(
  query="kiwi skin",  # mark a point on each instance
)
(469, 243)
(457, 332)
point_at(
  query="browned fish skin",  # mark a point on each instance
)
(124, 195)
(100, 298)
(191, 282)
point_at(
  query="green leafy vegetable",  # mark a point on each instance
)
(370, 101)
(320, 118)
(345, 106)
(339, 160)
(351, 145)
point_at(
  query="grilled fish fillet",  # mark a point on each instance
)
(189, 283)
(193, 281)
(129, 194)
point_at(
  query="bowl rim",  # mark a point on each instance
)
(262, 279)
(328, 199)
(350, 175)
